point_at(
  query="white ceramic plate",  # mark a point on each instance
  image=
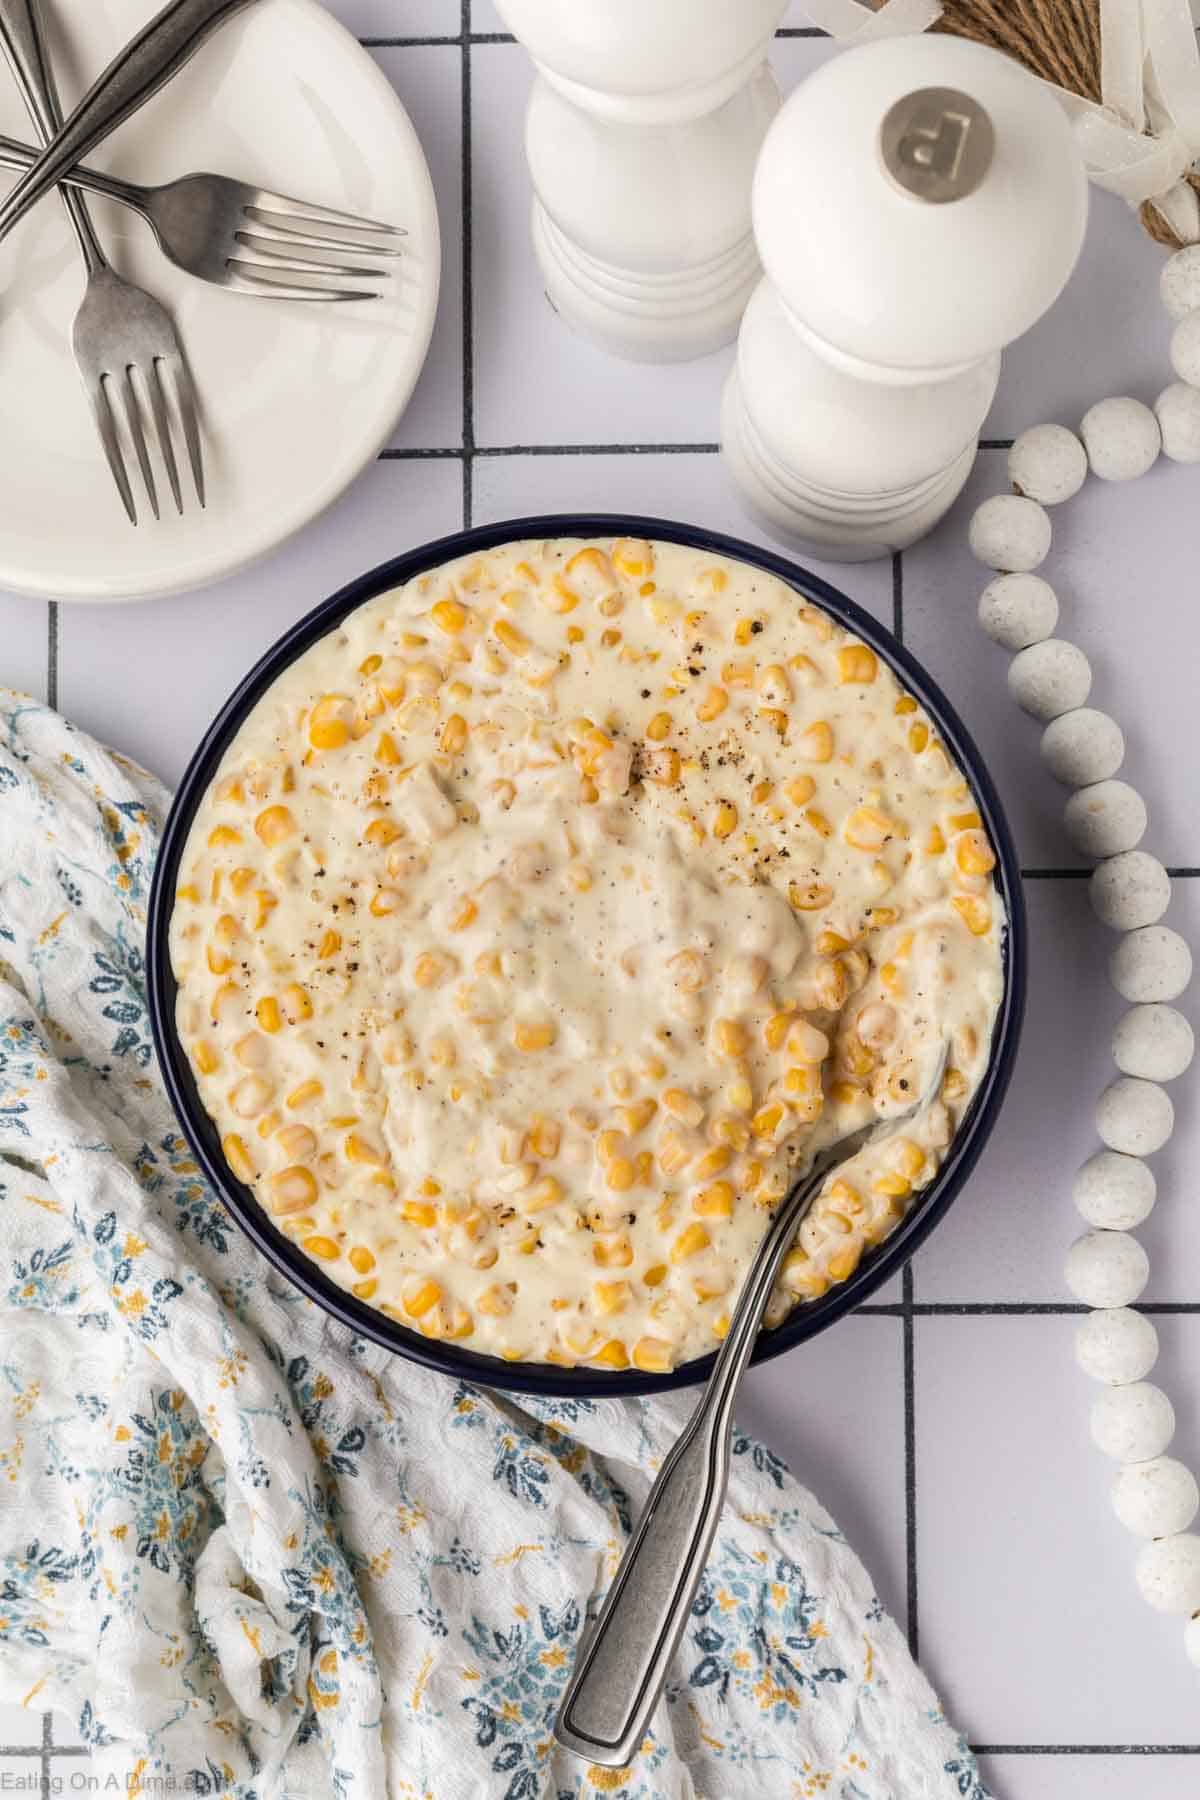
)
(297, 397)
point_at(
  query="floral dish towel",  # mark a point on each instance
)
(251, 1554)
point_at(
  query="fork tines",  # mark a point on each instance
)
(296, 248)
(119, 402)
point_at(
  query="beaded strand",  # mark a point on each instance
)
(1155, 1496)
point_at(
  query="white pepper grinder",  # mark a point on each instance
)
(918, 203)
(642, 133)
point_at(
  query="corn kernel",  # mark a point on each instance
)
(495, 1302)
(329, 722)
(715, 1201)
(620, 1174)
(767, 1120)
(363, 1290)
(809, 896)
(454, 735)
(857, 663)
(274, 824)
(655, 1275)
(420, 1299)
(294, 1187)
(712, 705)
(238, 1157)
(867, 828)
(661, 767)
(682, 1106)
(652, 1355)
(729, 1037)
(800, 789)
(843, 1262)
(975, 913)
(725, 820)
(691, 1240)
(268, 1014)
(636, 1117)
(546, 1191)
(612, 1253)
(611, 1296)
(462, 914)
(545, 1137)
(324, 1247)
(296, 1003)
(612, 1355)
(816, 743)
(419, 1212)
(431, 969)
(205, 1058)
(359, 1149)
(973, 854)
(450, 617)
(713, 1162)
(530, 1034)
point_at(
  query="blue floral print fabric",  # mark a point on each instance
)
(249, 1553)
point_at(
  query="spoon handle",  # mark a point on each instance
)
(621, 1668)
(158, 52)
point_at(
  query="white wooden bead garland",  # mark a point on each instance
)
(1154, 1496)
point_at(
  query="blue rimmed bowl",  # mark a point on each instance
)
(546, 1378)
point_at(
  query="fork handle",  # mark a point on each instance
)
(151, 59)
(25, 47)
(16, 155)
(623, 1664)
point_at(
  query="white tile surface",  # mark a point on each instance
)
(190, 652)
(1030, 1620)
(428, 79)
(1096, 1777)
(23, 644)
(399, 18)
(19, 1729)
(800, 1405)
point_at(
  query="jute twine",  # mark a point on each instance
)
(1058, 40)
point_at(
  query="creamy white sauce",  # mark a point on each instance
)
(548, 916)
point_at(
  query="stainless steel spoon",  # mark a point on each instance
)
(623, 1662)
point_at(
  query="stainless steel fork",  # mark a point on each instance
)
(246, 237)
(125, 343)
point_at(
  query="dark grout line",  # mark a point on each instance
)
(52, 655)
(492, 37)
(449, 455)
(404, 43)
(1176, 874)
(468, 302)
(21, 1749)
(910, 1465)
(1086, 1749)
(597, 449)
(47, 1746)
(1014, 1309)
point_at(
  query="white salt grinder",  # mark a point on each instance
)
(918, 203)
(642, 133)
